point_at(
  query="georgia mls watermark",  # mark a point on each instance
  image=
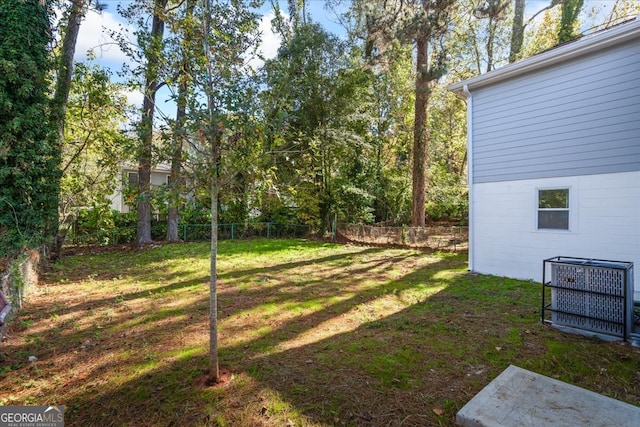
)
(31, 416)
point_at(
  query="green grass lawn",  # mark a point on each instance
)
(315, 334)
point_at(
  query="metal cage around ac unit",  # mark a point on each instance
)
(590, 296)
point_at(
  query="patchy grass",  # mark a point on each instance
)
(315, 334)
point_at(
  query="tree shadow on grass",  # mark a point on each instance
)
(398, 368)
(420, 365)
(92, 361)
(415, 367)
(162, 299)
(379, 340)
(175, 282)
(135, 263)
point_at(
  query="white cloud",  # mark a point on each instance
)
(270, 41)
(94, 35)
(135, 98)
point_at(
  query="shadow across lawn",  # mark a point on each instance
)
(326, 335)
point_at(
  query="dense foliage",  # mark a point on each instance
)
(324, 130)
(94, 145)
(29, 155)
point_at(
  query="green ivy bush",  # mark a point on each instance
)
(29, 153)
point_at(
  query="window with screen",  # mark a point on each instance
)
(553, 209)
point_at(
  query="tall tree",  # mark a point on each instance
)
(152, 47)
(321, 106)
(431, 23)
(183, 26)
(518, 27)
(423, 23)
(229, 31)
(447, 192)
(74, 16)
(394, 87)
(72, 19)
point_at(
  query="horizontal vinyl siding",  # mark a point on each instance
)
(577, 118)
(604, 224)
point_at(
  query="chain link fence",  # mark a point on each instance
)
(442, 238)
(191, 233)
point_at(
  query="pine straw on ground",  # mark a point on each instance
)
(314, 334)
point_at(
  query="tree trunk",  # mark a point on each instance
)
(173, 217)
(569, 19)
(517, 30)
(490, 41)
(143, 232)
(175, 185)
(420, 134)
(65, 66)
(176, 156)
(212, 132)
(214, 372)
(214, 135)
(61, 95)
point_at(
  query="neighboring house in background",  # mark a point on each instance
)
(554, 156)
(129, 178)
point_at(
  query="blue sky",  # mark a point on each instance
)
(92, 31)
(94, 35)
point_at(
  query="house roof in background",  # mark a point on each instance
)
(587, 44)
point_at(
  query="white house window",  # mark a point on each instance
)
(553, 209)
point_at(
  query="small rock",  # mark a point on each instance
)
(32, 358)
(367, 416)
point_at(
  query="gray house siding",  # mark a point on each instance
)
(580, 117)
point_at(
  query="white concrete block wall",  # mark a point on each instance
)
(604, 224)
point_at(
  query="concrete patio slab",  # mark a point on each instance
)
(521, 398)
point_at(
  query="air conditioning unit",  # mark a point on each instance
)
(589, 296)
